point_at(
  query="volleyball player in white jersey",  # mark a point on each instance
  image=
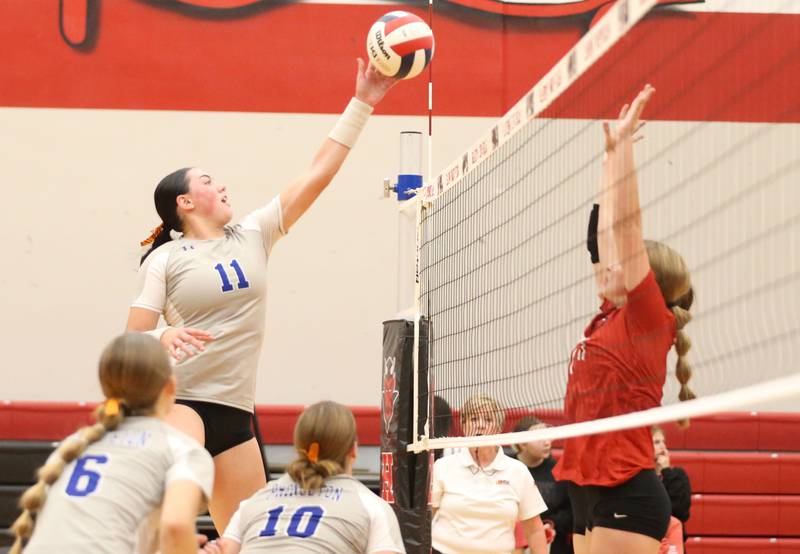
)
(104, 481)
(211, 284)
(317, 506)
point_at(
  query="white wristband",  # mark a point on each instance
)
(156, 333)
(349, 126)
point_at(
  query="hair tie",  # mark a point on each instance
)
(313, 452)
(153, 234)
(111, 407)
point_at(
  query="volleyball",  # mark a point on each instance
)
(400, 45)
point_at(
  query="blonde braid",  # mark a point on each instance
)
(683, 370)
(109, 415)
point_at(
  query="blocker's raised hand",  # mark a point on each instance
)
(629, 120)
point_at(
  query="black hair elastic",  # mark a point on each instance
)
(591, 238)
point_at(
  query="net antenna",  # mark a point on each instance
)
(500, 264)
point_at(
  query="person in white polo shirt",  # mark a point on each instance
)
(480, 493)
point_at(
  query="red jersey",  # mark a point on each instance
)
(619, 367)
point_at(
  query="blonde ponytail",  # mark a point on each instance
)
(672, 276)
(324, 436)
(311, 475)
(109, 415)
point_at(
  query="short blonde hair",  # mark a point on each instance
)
(483, 404)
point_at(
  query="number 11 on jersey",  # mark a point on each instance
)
(227, 286)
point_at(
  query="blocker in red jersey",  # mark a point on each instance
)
(400, 44)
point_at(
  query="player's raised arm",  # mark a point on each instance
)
(624, 191)
(599, 240)
(298, 196)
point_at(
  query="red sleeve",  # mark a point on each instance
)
(645, 309)
(519, 536)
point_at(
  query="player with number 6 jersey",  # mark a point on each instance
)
(209, 283)
(317, 506)
(129, 472)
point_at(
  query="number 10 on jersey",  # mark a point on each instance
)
(227, 286)
(303, 523)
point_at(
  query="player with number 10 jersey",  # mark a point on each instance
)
(317, 506)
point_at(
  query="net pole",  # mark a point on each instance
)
(409, 233)
(429, 174)
(417, 315)
(408, 181)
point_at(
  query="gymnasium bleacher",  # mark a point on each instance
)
(744, 467)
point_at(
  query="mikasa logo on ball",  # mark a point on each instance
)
(400, 45)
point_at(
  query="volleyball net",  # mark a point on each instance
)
(504, 278)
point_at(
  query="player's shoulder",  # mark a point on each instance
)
(373, 504)
(165, 249)
(160, 256)
(242, 230)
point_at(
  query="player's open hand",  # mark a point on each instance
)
(629, 122)
(372, 85)
(184, 342)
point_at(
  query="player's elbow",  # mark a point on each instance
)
(177, 536)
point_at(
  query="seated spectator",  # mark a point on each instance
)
(675, 480)
(536, 456)
(480, 493)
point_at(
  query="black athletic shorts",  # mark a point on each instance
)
(639, 505)
(225, 427)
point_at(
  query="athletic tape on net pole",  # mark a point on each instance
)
(623, 15)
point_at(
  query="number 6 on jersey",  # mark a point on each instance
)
(84, 480)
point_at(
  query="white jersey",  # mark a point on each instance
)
(342, 517)
(100, 500)
(218, 285)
